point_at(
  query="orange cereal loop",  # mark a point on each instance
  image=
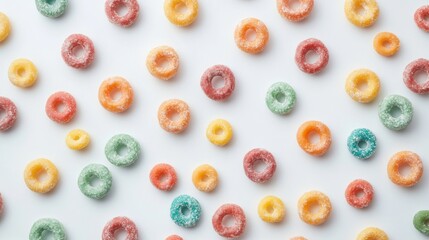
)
(172, 10)
(304, 134)
(386, 44)
(33, 175)
(288, 12)
(162, 62)
(174, 115)
(116, 86)
(242, 38)
(400, 161)
(298, 238)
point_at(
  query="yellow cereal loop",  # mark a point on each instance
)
(77, 139)
(271, 209)
(372, 233)
(205, 178)
(363, 85)
(361, 13)
(22, 73)
(219, 132)
(314, 208)
(41, 175)
(4, 27)
(172, 9)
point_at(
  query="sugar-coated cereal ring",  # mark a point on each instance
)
(354, 189)
(90, 172)
(77, 139)
(362, 143)
(22, 73)
(234, 211)
(311, 45)
(114, 85)
(74, 42)
(314, 127)
(219, 132)
(251, 46)
(298, 238)
(176, 17)
(174, 237)
(421, 18)
(9, 119)
(163, 62)
(182, 204)
(364, 18)
(4, 27)
(1, 204)
(271, 209)
(222, 93)
(295, 15)
(280, 98)
(168, 109)
(55, 112)
(120, 224)
(359, 78)
(387, 108)
(205, 178)
(114, 146)
(52, 8)
(416, 66)
(252, 158)
(401, 160)
(372, 233)
(35, 169)
(310, 199)
(386, 44)
(420, 221)
(163, 176)
(111, 8)
(42, 226)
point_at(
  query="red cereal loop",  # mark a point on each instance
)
(218, 94)
(120, 224)
(71, 44)
(353, 191)
(174, 237)
(421, 18)
(112, 6)
(250, 160)
(311, 45)
(286, 10)
(163, 176)
(7, 106)
(239, 225)
(416, 66)
(61, 107)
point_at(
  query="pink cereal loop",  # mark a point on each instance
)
(250, 159)
(111, 7)
(9, 108)
(419, 65)
(319, 48)
(120, 224)
(218, 94)
(235, 211)
(67, 51)
(421, 18)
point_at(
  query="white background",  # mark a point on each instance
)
(207, 42)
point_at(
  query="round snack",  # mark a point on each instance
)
(421, 18)
(417, 66)
(295, 15)
(315, 46)
(229, 210)
(304, 134)
(42, 226)
(372, 233)
(61, 107)
(174, 237)
(363, 85)
(118, 143)
(116, 86)
(120, 224)
(242, 40)
(388, 109)
(386, 44)
(22, 73)
(1, 204)
(401, 160)
(87, 176)
(163, 176)
(176, 16)
(205, 178)
(167, 111)
(362, 143)
(271, 209)
(298, 238)
(8, 120)
(70, 48)
(4, 27)
(77, 139)
(252, 158)
(162, 62)
(361, 13)
(219, 132)
(221, 93)
(52, 8)
(185, 211)
(312, 199)
(35, 169)
(280, 98)
(112, 7)
(420, 222)
(359, 193)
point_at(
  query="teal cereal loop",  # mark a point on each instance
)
(280, 98)
(42, 226)
(87, 176)
(362, 143)
(116, 144)
(395, 104)
(420, 221)
(52, 8)
(185, 211)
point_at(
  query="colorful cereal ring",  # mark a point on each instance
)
(111, 8)
(185, 204)
(222, 93)
(314, 127)
(362, 143)
(361, 13)
(372, 233)
(35, 169)
(386, 44)
(311, 45)
(4, 27)
(353, 191)
(1, 204)
(416, 66)
(401, 160)
(77, 139)
(163, 176)
(229, 210)
(120, 224)
(298, 238)
(114, 146)
(163, 62)
(9, 118)
(22, 73)
(252, 158)
(288, 12)
(280, 98)
(43, 226)
(219, 132)
(251, 46)
(114, 85)
(205, 178)
(310, 199)
(174, 237)
(87, 175)
(173, 14)
(70, 47)
(421, 18)
(420, 221)
(359, 78)
(387, 108)
(271, 209)
(51, 8)
(170, 108)
(55, 112)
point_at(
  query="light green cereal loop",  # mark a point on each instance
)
(185, 211)
(114, 146)
(52, 8)
(88, 174)
(386, 107)
(280, 98)
(41, 226)
(420, 221)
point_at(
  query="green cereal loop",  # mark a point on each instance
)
(52, 8)
(275, 93)
(362, 135)
(114, 145)
(185, 203)
(420, 221)
(51, 225)
(386, 106)
(88, 174)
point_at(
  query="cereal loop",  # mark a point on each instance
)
(4, 27)
(113, 148)
(420, 221)
(163, 176)
(120, 224)
(205, 178)
(242, 38)
(421, 18)
(271, 209)
(185, 204)
(372, 233)
(359, 193)
(221, 93)
(420, 65)
(314, 199)
(172, 10)
(91, 172)
(70, 47)
(362, 143)
(401, 160)
(361, 13)
(287, 11)
(307, 46)
(386, 44)
(116, 86)
(112, 7)
(77, 139)
(280, 98)
(298, 238)
(35, 169)
(363, 85)
(162, 62)
(61, 107)
(304, 134)
(22, 73)
(174, 237)
(395, 112)
(9, 118)
(219, 132)
(234, 211)
(250, 161)
(52, 8)
(167, 112)
(43, 226)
